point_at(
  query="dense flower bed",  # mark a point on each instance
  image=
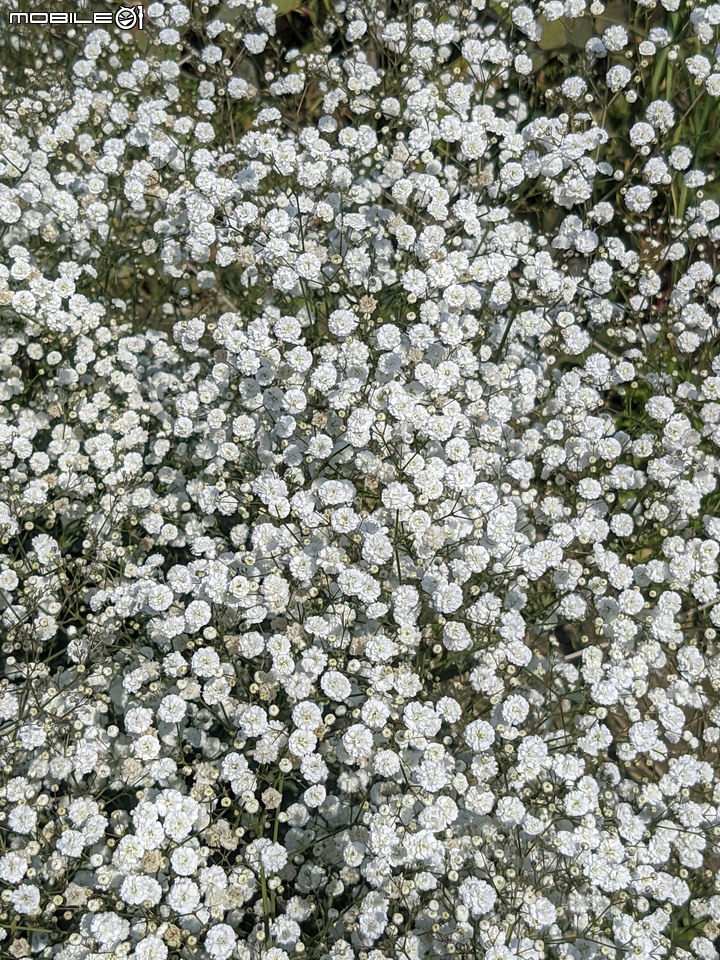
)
(359, 429)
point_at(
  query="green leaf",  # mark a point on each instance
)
(560, 33)
(284, 7)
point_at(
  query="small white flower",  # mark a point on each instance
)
(477, 895)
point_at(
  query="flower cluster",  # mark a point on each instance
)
(359, 458)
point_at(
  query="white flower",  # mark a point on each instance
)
(374, 583)
(220, 941)
(151, 948)
(140, 889)
(172, 709)
(22, 819)
(184, 897)
(479, 735)
(342, 323)
(13, 867)
(447, 598)
(373, 916)
(336, 686)
(197, 615)
(26, 899)
(477, 895)
(358, 742)
(398, 497)
(109, 929)
(267, 855)
(638, 199)
(333, 492)
(185, 861)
